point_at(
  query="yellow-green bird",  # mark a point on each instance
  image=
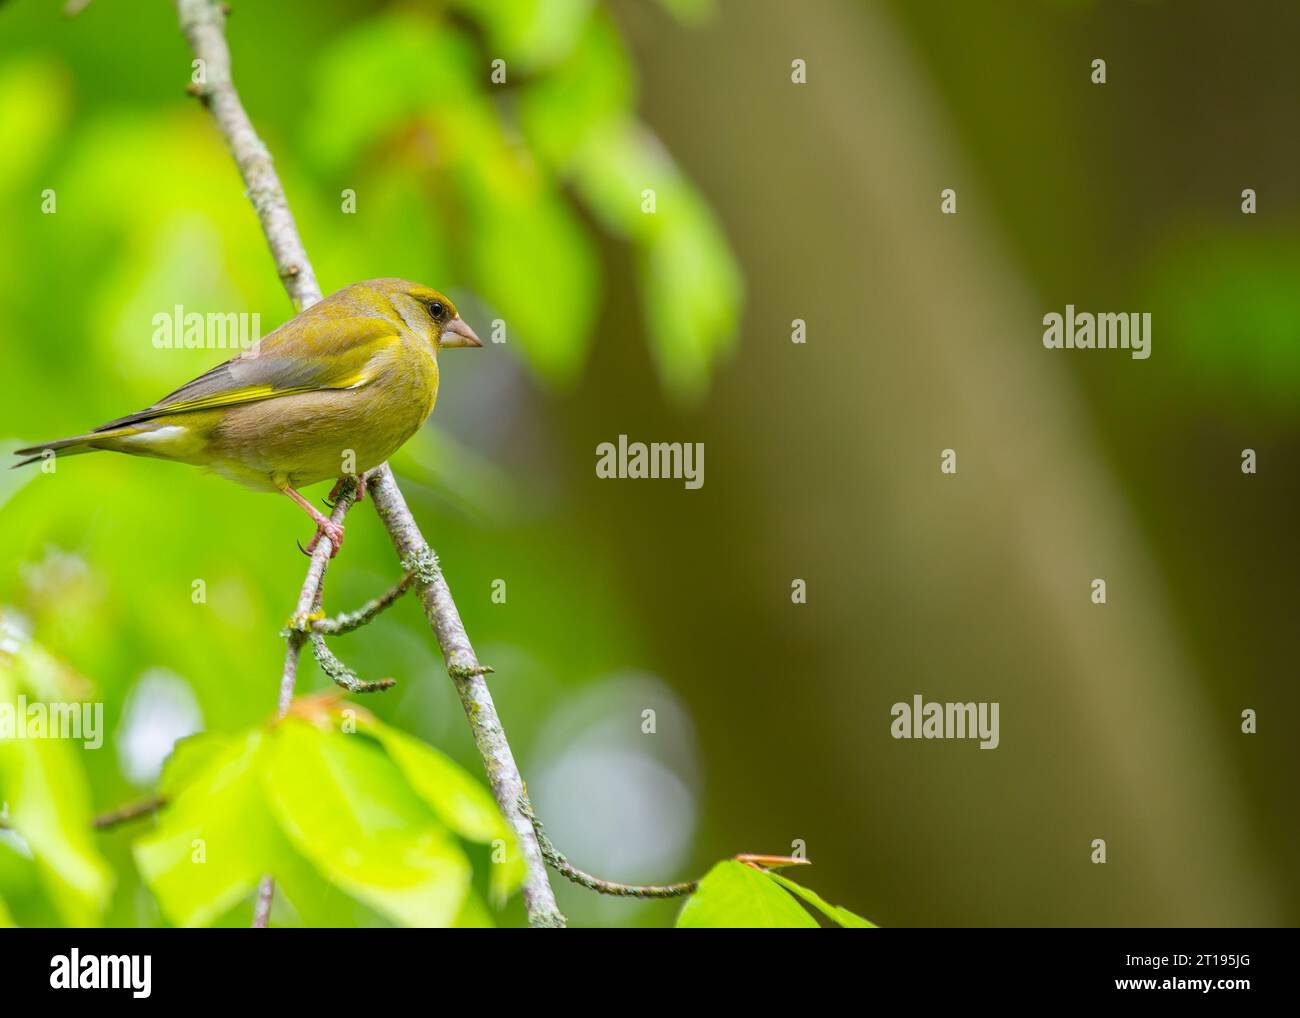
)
(331, 393)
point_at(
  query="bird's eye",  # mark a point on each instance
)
(437, 309)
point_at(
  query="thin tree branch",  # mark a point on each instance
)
(348, 621)
(203, 23)
(131, 811)
(309, 600)
(340, 673)
(567, 870)
(466, 672)
(555, 858)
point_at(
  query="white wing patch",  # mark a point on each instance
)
(167, 439)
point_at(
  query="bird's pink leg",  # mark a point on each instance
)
(324, 525)
(360, 496)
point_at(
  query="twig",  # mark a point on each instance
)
(467, 674)
(348, 621)
(131, 811)
(340, 673)
(309, 599)
(203, 24)
(583, 879)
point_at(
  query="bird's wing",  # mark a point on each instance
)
(339, 354)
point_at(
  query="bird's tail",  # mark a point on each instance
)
(73, 446)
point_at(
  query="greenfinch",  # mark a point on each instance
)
(331, 393)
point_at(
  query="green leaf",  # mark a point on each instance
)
(733, 895)
(190, 757)
(344, 822)
(347, 807)
(381, 75)
(20, 885)
(460, 802)
(473, 914)
(685, 262)
(49, 798)
(530, 257)
(50, 807)
(833, 912)
(590, 89)
(688, 267)
(215, 837)
(302, 891)
(1229, 297)
(34, 103)
(535, 33)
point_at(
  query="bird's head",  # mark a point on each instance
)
(426, 312)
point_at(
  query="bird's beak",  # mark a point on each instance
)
(457, 333)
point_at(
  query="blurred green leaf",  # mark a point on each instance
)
(215, 837)
(473, 914)
(302, 891)
(691, 288)
(333, 814)
(45, 787)
(529, 256)
(733, 895)
(190, 757)
(345, 806)
(533, 33)
(21, 888)
(690, 297)
(380, 75)
(1231, 301)
(590, 88)
(460, 802)
(34, 101)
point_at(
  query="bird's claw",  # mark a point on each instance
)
(330, 529)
